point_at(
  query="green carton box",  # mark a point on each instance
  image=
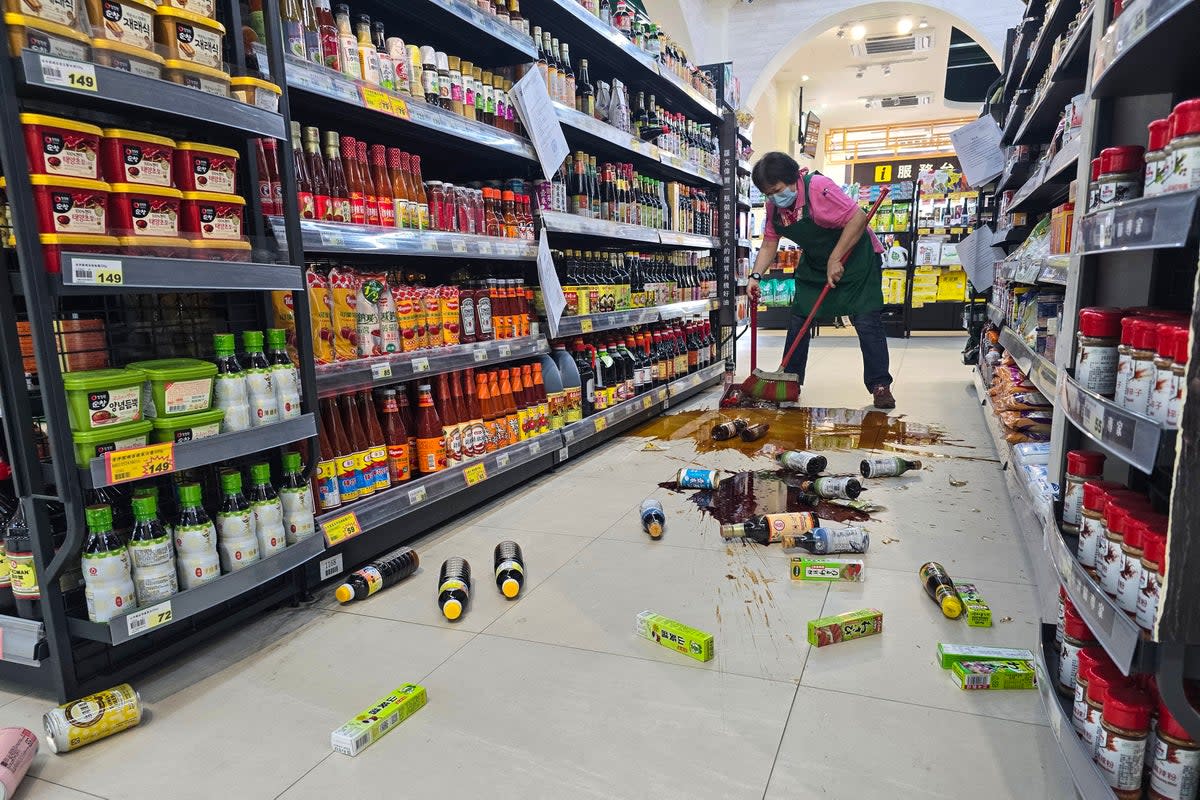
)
(978, 613)
(386, 713)
(994, 675)
(807, 568)
(675, 635)
(844, 627)
(950, 654)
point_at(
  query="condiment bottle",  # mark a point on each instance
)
(410, 426)
(1091, 528)
(844, 487)
(326, 486)
(402, 205)
(468, 76)
(387, 67)
(268, 511)
(237, 544)
(364, 467)
(1109, 558)
(1163, 386)
(431, 446)
(1076, 636)
(509, 405)
(416, 70)
(1121, 748)
(264, 407)
(305, 199)
(384, 202)
(1122, 173)
(443, 68)
(109, 588)
(295, 495)
(339, 193)
(1129, 574)
(801, 461)
(347, 43)
(543, 401)
(380, 471)
(195, 540)
(151, 554)
(284, 375)
(755, 432)
(422, 201)
(322, 202)
(368, 56)
(396, 437)
(451, 432)
(1141, 366)
(521, 401)
(1175, 768)
(230, 392)
(1093, 200)
(354, 185)
(1185, 146)
(1158, 164)
(1154, 552)
(384, 571)
(344, 454)
(940, 587)
(822, 541)
(1088, 658)
(488, 408)
(886, 466)
(654, 519)
(728, 429)
(457, 91)
(770, 528)
(1183, 347)
(1082, 466)
(370, 194)
(509, 568)
(1096, 355)
(454, 586)
(1104, 676)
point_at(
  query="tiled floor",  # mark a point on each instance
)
(552, 696)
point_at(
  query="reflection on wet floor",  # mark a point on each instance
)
(743, 494)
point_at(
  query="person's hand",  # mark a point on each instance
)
(834, 271)
(752, 289)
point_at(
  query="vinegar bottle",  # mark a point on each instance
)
(419, 195)
(383, 187)
(451, 434)
(364, 468)
(339, 195)
(410, 427)
(370, 195)
(237, 542)
(431, 449)
(354, 187)
(474, 430)
(343, 452)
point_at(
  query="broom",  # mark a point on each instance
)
(781, 386)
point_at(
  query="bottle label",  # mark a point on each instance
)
(1140, 385)
(24, 577)
(431, 454)
(557, 407)
(1068, 665)
(372, 578)
(268, 523)
(198, 538)
(235, 525)
(466, 311)
(297, 506)
(483, 310)
(387, 213)
(368, 61)
(479, 438)
(108, 599)
(1091, 532)
(238, 554)
(348, 478)
(307, 204)
(328, 487)
(834, 488)
(573, 404)
(452, 438)
(514, 428)
(293, 34)
(150, 552)
(1121, 759)
(358, 208)
(882, 467)
(387, 72)
(1161, 392)
(109, 565)
(543, 416)
(398, 462)
(287, 390)
(794, 524)
(155, 583)
(1147, 601)
(1096, 368)
(348, 56)
(451, 585)
(1124, 370)
(696, 479)
(198, 570)
(509, 565)
(1129, 582)
(1175, 771)
(379, 468)
(494, 435)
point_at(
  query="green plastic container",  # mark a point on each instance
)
(103, 398)
(176, 386)
(188, 427)
(92, 444)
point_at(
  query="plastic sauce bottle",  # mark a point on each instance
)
(264, 408)
(327, 491)
(886, 466)
(380, 471)
(822, 541)
(195, 540)
(510, 568)
(568, 372)
(396, 438)
(939, 586)
(109, 588)
(237, 544)
(654, 519)
(151, 554)
(454, 586)
(284, 375)
(431, 448)
(230, 391)
(295, 495)
(268, 511)
(384, 571)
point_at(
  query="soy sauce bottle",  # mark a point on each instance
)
(729, 429)
(654, 519)
(391, 568)
(510, 568)
(454, 587)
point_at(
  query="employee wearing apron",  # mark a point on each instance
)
(812, 211)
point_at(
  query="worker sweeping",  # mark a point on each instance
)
(840, 265)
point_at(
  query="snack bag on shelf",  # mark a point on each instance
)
(321, 315)
(433, 317)
(448, 307)
(285, 317)
(406, 316)
(371, 288)
(343, 289)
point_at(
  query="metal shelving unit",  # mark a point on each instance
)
(556, 222)
(372, 240)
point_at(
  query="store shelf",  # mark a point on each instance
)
(373, 107)
(83, 273)
(352, 376)
(1131, 437)
(1088, 780)
(1039, 369)
(744, 167)
(693, 240)
(113, 90)
(558, 222)
(744, 200)
(745, 243)
(1058, 16)
(339, 237)
(610, 320)
(994, 315)
(1073, 61)
(1049, 185)
(202, 598)
(24, 640)
(1151, 50)
(487, 31)
(220, 448)
(1055, 269)
(1146, 223)
(1015, 174)
(1038, 125)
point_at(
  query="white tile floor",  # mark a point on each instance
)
(551, 695)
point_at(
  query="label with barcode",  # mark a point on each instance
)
(420, 364)
(331, 566)
(562, 454)
(68, 73)
(458, 246)
(504, 351)
(535, 448)
(381, 370)
(481, 355)
(148, 618)
(417, 494)
(485, 248)
(96, 271)
(501, 460)
(332, 239)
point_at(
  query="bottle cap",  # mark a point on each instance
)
(1127, 708)
(1085, 462)
(1075, 627)
(452, 609)
(1100, 322)
(189, 494)
(1104, 676)
(1089, 657)
(655, 529)
(98, 517)
(260, 473)
(1185, 118)
(252, 341)
(291, 461)
(733, 531)
(952, 606)
(1154, 547)
(145, 508)
(231, 481)
(344, 593)
(277, 338)
(1095, 494)
(223, 344)
(1159, 134)
(1169, 726)
(510, 588)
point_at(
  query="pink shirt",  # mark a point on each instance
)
(831, 208)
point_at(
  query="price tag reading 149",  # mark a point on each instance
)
(122, 466)
(68, 73)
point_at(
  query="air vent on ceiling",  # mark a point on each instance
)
(905, 100)
(893, 45)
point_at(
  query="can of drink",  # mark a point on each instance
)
(697, 478)
(79, 722)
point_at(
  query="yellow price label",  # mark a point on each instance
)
(376, 100)
(475, 473)
(122, 466)
(601, 424)
(400, 107)
(647, 402)
(585, 325)
(341, 528)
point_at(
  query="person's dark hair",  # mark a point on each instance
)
(773, 168)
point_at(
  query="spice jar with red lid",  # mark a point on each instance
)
(1158, 162)
(1064, 605)
(1104, 677)
(1089, 658)
(1091, 525)
(1185, 147)
(1121, 747)
(1154, 557)
(1094, 185)
(1129, 578)
(1183, 348)
(1144, 333)
(1175, 764)
(1162, 388)
(1109, 558)
(1076, 636)
(1096, 356)
(1124, 354)
(1082, 465)
(1122, 171)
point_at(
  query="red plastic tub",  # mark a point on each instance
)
(54, 245)
(221, 250)
(208, 215)
(135, 157)
(70, 205)
(205, 168)
(58, 146)
(145, 210)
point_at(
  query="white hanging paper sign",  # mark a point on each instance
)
(977, 145)
(536, 110)
(979, 257)
(552, 293)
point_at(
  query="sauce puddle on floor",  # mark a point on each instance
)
(742, 495)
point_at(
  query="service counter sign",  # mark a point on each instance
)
(943, 174)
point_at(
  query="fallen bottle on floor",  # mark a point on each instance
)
(510, 568)
(842, 487)
(821, 541)
(772, 528)
(886, 466)
(697, 478)
(454, 587)
(729, 429)
(755, 432)
(654, 519)
(385, 714)
(940, 587)
(19, 746)
(811, 464)
(89, 719)
(383, 571)
(674, 635)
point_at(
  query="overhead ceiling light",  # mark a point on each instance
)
(905, 25)
(841, 32)
(803, 77)
(887, 69)
(858, 32)
(924, 23)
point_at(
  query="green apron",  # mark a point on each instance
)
(861, 287)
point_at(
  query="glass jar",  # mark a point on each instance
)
(1096, 356)
(1104, 677)
(1154, 552)
(458, 92)
(1121, 749)
(463, 216)
(448, 218)
(1176, 760)
(1109, 558)
(1162, 389)
(1183, 348)
(1185, 146)
(1076, 636)
(1091, 524)
(1157, 161)
(1089, 657)
(1094, 186)
(1122, 171)
(437, 199)
(1124, 357)
(1129, 574)
(1141, 366)
(1082, 466)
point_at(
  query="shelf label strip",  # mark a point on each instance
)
(341, 528)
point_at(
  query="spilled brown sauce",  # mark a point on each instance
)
(742, 495)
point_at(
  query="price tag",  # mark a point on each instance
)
(504, 351)
(481, 355)
(330, 566)
(601, 423)
(96, 272)
(647, 402)
(376, 100)
(122, 466)
(458, 246)
(562, 454)
(569, 435)
(400, 107)
(341, 528)
(381, 370)
(416, 495)
(475, 473)
(68, 73)
(501, 460)
(485, 248)
(429, 245)
(148, 618)
(585, 325)
(420, 364)
(332, 239)
(535, 448)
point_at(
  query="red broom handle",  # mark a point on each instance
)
(753, 333)
(883, 193)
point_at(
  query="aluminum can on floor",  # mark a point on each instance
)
(79, 722)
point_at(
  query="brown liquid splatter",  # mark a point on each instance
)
(742, 495)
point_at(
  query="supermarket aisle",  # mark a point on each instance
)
(551, 695)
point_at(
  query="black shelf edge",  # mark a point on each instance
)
(1047, 185)
(1073, 60)
(1133, 438)
(744, 167)
(335, 379)
(994, 315)
(1146, 56)
(558, 222)
(194, 601)
(1040, 369)
(304, 77)
(148, 274)
(1042, 116)
(222, 447)
(1015, 173)
(610, 320)
(344, 238)
(1054, 23)
(490, 26)
(188, 107)
(1145, 223)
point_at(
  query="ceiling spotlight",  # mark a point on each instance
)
(841, 32)
(924, 23)
(905, 25)
(858, 32)
(887, 69)
(803, 77)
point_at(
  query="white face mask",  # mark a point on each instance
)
(785, 198)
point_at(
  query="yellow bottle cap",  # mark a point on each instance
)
(510, 588)
(952, 607)
(452, 609)
(344, 593)
(655, 530)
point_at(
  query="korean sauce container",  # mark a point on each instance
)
(134, 157)
(54, 245)
(127, 21)
(58, 146)
(195, 76)
(145, 210)
(103, 398)
(207, 215)
(205, 168)
(205, 8)
(70, 205)
(43, 36)
(62, 12)
(256, 92)
(190, 38)
(93, 444)
(135, 61)
(158, 246)
(187, 427)
(221, 250)
(176, 386)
